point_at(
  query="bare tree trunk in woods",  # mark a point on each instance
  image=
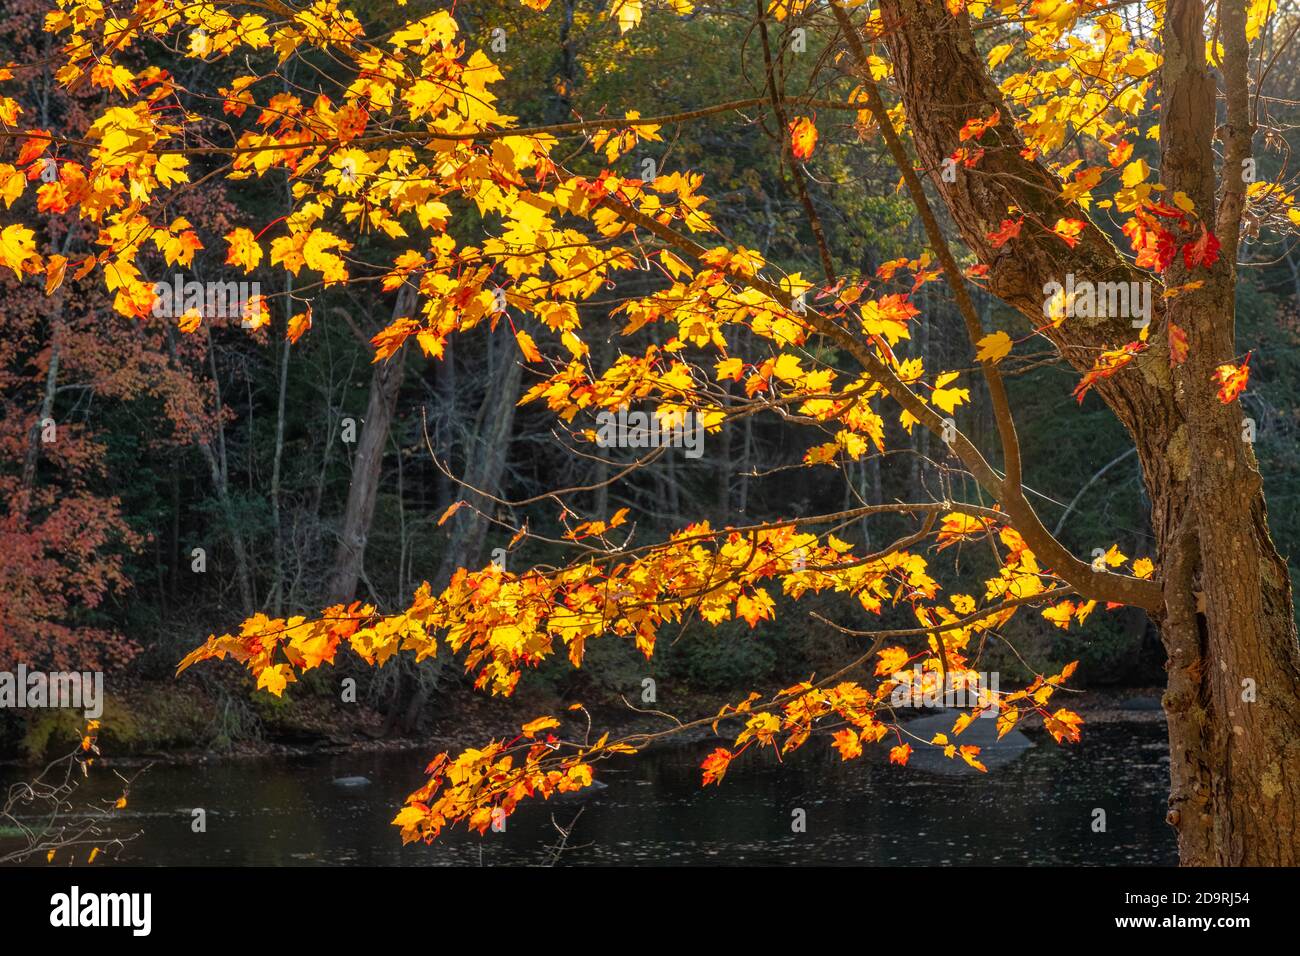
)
(277, 589)
(385, 382)
(746, 464)
(485, 461)
(871, 493)
(1233, 697)
(568, 69)
(46, 412)
(1295, 275)
(214, 453)
(486, 456)
(32, 458)
(445, 388)
(174, 546)
(723, 456)
(600, 505)
(669, 462)
(602, 354)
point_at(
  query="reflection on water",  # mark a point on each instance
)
(1040, 809)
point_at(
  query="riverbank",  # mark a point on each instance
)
(146, 723)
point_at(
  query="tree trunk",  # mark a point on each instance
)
(485, 459)
(214, 453)
(1230, 626)
(486, 455)
(385, 381)
(46, 411)
(277, 461)
(446, 418)
(1228, 622)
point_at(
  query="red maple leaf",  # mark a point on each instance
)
(1009, 230)
(1203, 251)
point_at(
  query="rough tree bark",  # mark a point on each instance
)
(1228, 617)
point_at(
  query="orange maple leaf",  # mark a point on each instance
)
(1069, 229)
(803, 137)
(1177, 345)
(535, 727)
(1107, 364)
(451, 510)
(847, 743)
(975, 128)
(1232, 379)
(528, 346)
(298, 325)
(387, 341)
(1009, 230)
(33, 146)
(715, 765)
(1064, 725)
(970, 753)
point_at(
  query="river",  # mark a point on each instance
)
(1039, 809)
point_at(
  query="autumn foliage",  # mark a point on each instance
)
(408, 138)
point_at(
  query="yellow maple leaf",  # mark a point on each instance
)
(535, 727)
(993, 347)
(892, 660)
(275, 678)
(627, 13)
(244, 250)
(1135, 172)
(17, 245)
(1060, 614)
(299, 324)
(948, 398)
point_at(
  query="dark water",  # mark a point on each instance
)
(1037, 810)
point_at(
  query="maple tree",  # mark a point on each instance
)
(403, 136)
(65, 537)
(62, 541)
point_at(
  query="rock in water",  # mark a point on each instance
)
(981, 732)
(351, 781)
